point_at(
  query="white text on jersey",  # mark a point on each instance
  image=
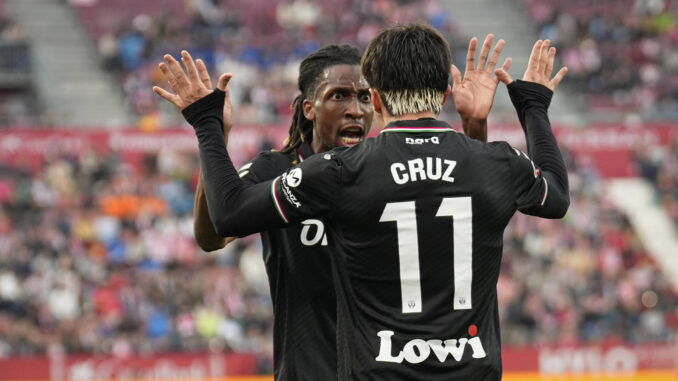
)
(429, 168)
(418, 350)
(433, 140)
(306, 238)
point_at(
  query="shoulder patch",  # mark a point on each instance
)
(294, 177)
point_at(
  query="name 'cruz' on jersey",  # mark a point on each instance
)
(428, 168)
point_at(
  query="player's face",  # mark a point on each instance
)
(341, 110)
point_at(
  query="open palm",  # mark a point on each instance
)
(197, 84)
(474, 93)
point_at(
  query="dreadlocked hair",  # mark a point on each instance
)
(310, 70)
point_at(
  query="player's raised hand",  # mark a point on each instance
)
(187, 88)
(474, 92)
(539, 67)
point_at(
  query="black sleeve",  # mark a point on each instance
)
(531, 101)
(236, 209)
(261, 168)
(309, 189)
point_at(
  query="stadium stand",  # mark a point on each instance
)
(98, 257)
(620, 53)
(587, 279)
(97, 254)
(262, 44)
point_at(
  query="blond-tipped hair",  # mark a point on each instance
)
(401, 102)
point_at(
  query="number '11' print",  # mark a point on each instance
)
(405, 217)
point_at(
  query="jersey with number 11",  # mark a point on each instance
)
(416, 217)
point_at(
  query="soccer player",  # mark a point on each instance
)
(333, 109)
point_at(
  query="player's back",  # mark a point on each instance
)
(419, 230)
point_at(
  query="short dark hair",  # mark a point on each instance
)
(410, 67)
(310, 70)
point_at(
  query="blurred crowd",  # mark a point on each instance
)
(260, 41)
(621, 53)
(97, 255)
(585, 279)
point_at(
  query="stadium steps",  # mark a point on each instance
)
(510, 21)
(69, 80)
(638, 200)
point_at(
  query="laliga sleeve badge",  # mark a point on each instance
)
(294, 178)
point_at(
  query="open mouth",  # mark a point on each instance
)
(351, 135)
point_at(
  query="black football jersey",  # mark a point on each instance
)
(416, 216)
(298, 268)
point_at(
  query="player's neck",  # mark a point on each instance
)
(387, 118)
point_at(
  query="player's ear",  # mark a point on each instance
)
(309, 110)
(447, 93)
(376, 100)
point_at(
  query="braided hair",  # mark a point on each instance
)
(310, 70)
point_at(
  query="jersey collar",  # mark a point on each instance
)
(304, 151)
(420, 125)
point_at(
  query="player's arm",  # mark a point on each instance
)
(254, 172)
(474, 93)
(203, 229)
(236, 209)
(531, 97)
(188, 89)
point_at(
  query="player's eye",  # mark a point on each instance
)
(365, 97)
(337, 95)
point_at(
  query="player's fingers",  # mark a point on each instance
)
(168, 75)
(190, 67)
(456, 76)
(507, 64)
(204, 73)
(549, 62)
(533, 62)
(543, 57)
(471, 55)
(222, 84)
(175, 69)
(485, 51)
(558, 77)
(495, 56)
(174, 99)
(503, 76)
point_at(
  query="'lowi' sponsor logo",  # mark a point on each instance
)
(418, 350)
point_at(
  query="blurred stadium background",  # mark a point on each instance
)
(100, 277)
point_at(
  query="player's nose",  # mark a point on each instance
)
(354, 109)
